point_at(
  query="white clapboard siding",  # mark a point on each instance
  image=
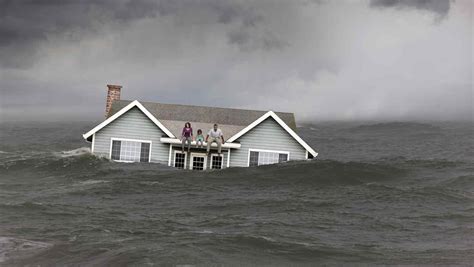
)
(132, 125)
(268, 135)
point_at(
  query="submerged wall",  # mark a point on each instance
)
(268, 135)
(132, 125)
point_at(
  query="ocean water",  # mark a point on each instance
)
(378, 193)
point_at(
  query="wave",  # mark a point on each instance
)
(14, 248)
(92, 182)
(80, 163)
(74, 153)
(463, 181)
(46, 160)
(397, 126)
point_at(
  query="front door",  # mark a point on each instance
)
(198, 161)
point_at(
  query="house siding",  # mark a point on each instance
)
(268, 135)
(132, 125)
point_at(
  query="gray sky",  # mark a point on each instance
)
(323, 60)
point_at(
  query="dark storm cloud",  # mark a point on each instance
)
(24, 24)
(440, 7)
(317, 58)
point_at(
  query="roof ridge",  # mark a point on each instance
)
(197, 106)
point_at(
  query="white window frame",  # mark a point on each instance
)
(185, 158)
(130, 140)
(198, 155)
(266, 150)
(216, 154)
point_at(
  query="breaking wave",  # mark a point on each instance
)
(14, 248)
(75, 152)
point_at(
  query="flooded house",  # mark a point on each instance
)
(136, 131)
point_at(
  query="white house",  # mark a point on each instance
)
(150, 132)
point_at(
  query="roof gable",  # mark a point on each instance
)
(271, 114)
(122, 111)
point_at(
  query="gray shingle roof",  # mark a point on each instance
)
(230, 120)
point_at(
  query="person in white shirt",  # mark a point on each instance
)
(216, 136)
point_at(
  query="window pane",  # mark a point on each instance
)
(145, 152)
(179, 160)
(266, 158)
(115, 150)
(130, 151)
(216, 162)
(258, 158)
(253, 159)
(283, 158)
(198, 163)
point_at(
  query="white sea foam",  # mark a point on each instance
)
(266, 238)
(14, 248)
(205, 232)
(75, 152)
(151, 183)
(91, 182)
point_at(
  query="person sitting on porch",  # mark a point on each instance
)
(187, 136)
(216, 136)
(199, 139)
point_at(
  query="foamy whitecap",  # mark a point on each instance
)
(15, 248)
(91, 182)
(151, 183)
(269, 239)
(205, 232)
(75, 152)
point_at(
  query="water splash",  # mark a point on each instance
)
(15, 248)
(74, 153)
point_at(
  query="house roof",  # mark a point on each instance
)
(230, 120)
(170, 119)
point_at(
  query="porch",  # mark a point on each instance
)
(197, 158)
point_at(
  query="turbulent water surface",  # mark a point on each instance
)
(379, 193)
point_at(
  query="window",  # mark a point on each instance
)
(198, 161)
(144, 152)
(115, 150)
(179, 160)
(282, 158)
(216, 161)
(265, 157)
(253, 159)
(130, 150)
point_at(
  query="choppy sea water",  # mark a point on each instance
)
(379, 193)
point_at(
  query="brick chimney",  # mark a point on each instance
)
(113, 94)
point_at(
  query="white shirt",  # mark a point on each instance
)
(215, 134)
